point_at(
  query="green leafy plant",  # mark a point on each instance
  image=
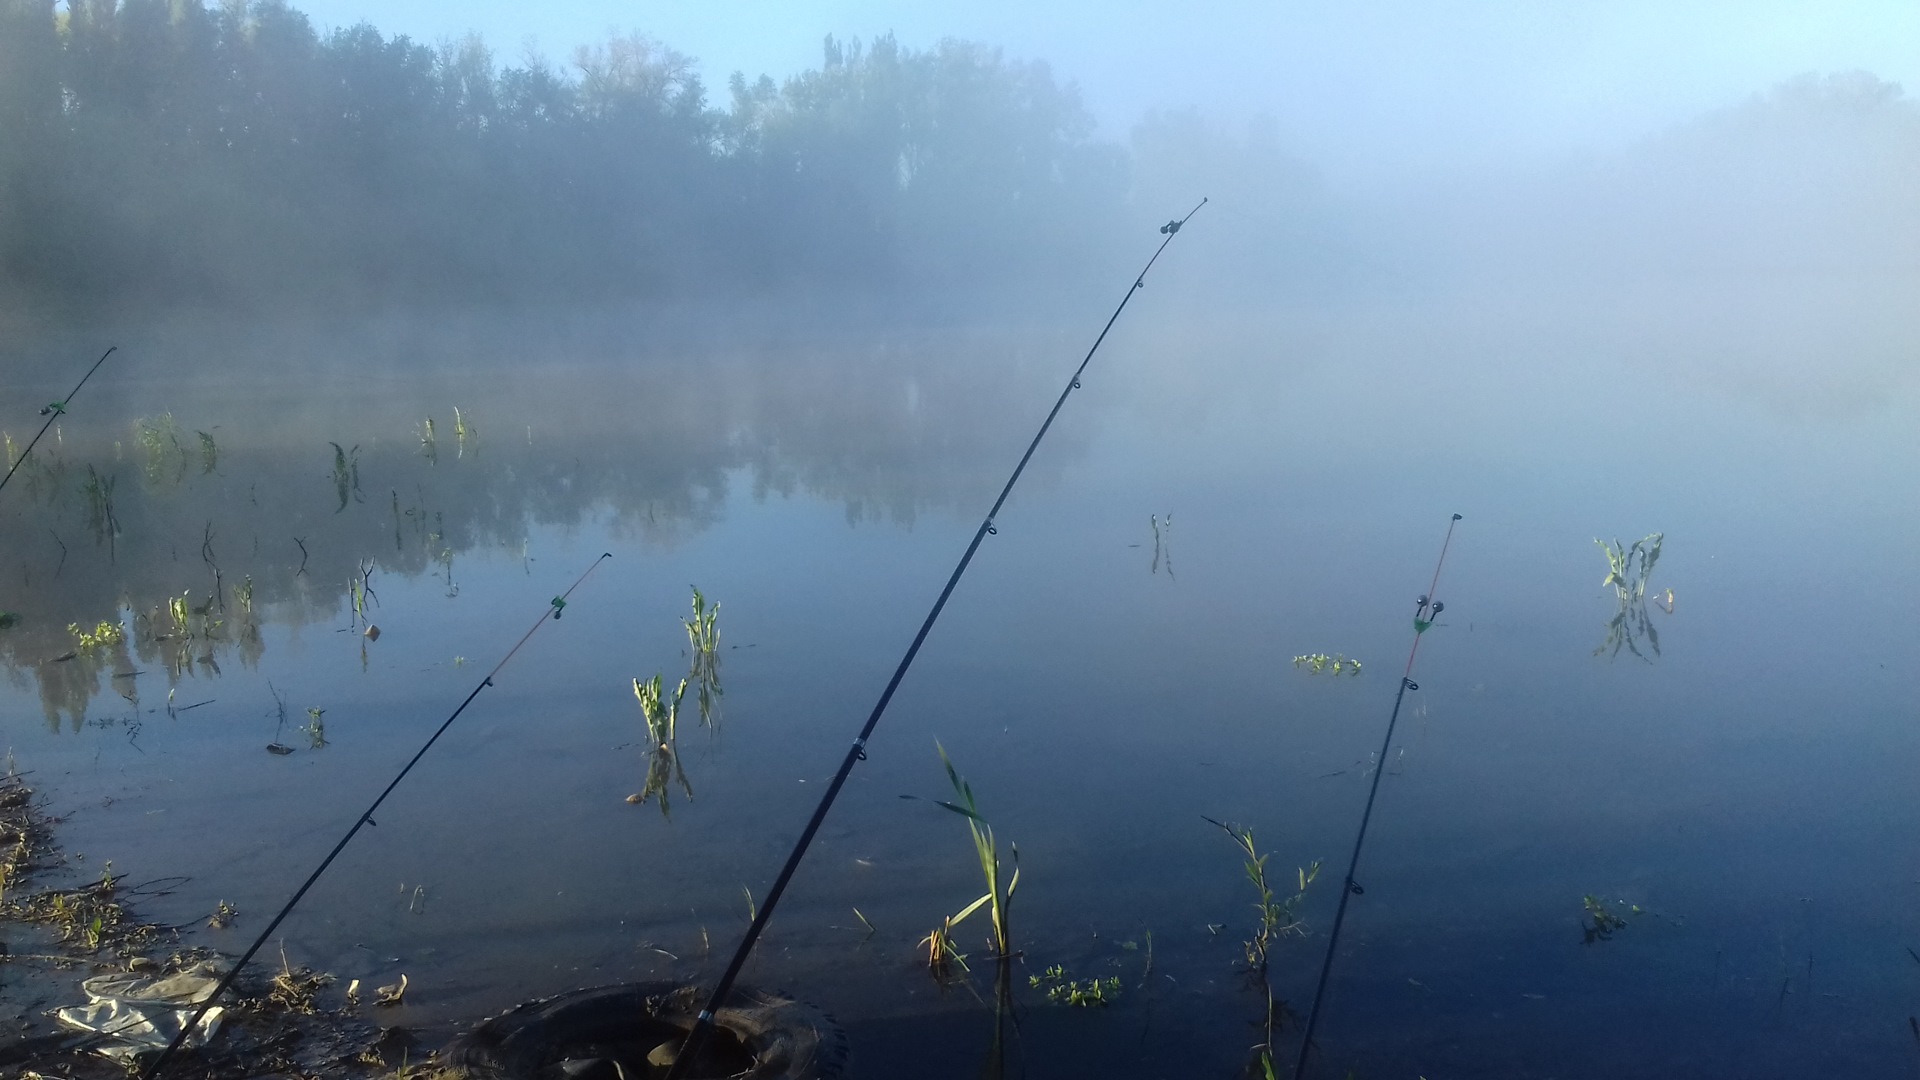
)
(1602, 918)
(1629, 567)
(703, 644)
(102, 635)
(1319, 662)
(998, 900)
(661, 713)
(1277, 919)
(315, 728)
(1063, 989)
(942, 955)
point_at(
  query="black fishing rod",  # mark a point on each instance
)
(1425, 611)
(54, 412)
(703, 1024)
(554, 608)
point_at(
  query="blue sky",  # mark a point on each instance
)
(1360, 86)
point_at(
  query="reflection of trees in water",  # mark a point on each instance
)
(195, 560)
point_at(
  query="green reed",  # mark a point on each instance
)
(660, 712)
(998, 900)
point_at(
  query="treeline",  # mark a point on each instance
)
(161, 152)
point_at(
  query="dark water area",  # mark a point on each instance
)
(1229, 490)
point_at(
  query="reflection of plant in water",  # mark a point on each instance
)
(1603, 918)
(1162, 542)
(463, 433)
(1628, 567)
(159, 436)
(1278, 919)
(662, 715)
(360, 593)
(429, 448)
(997, 900)
(1320, 662)
(9, 619)
(209, 453)
(1062, 989)
(442, 554)
(346, 474)
(663, 766)
(98, 491)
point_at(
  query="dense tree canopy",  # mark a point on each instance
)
(163, 151)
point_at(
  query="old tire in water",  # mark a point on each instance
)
(633, 1029)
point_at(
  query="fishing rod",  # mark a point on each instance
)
(553, 610)
(1425, 611)
(54, 412)
(857, 753)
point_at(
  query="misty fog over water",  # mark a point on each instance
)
(410, 332)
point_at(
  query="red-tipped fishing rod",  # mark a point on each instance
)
(1425, 611)
(857, 753)
(54, 412)
(554, 608)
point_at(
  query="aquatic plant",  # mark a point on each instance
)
(1602, 918)
(1277, 919)
(661, 713)
(1628, 567)
(159, 437)
(463, 433)
(1321, 662)
(346, 474)
(942, 955)
(429, 446)
(703, 644)
(9, 619)
(1162, 542)
(101, 636)
(98, 491)
(999, 901)
(209, 453)
(663, 767)
(1063, 989)
(703, 631)
(315, 729)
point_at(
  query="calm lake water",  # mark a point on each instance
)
(1224, 494)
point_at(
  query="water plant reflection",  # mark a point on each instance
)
(1628, 567)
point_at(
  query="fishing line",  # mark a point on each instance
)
(54, 412)
(1425, 611)
(554, 608)
(858, 751)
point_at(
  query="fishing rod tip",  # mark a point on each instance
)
(1456, 517)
